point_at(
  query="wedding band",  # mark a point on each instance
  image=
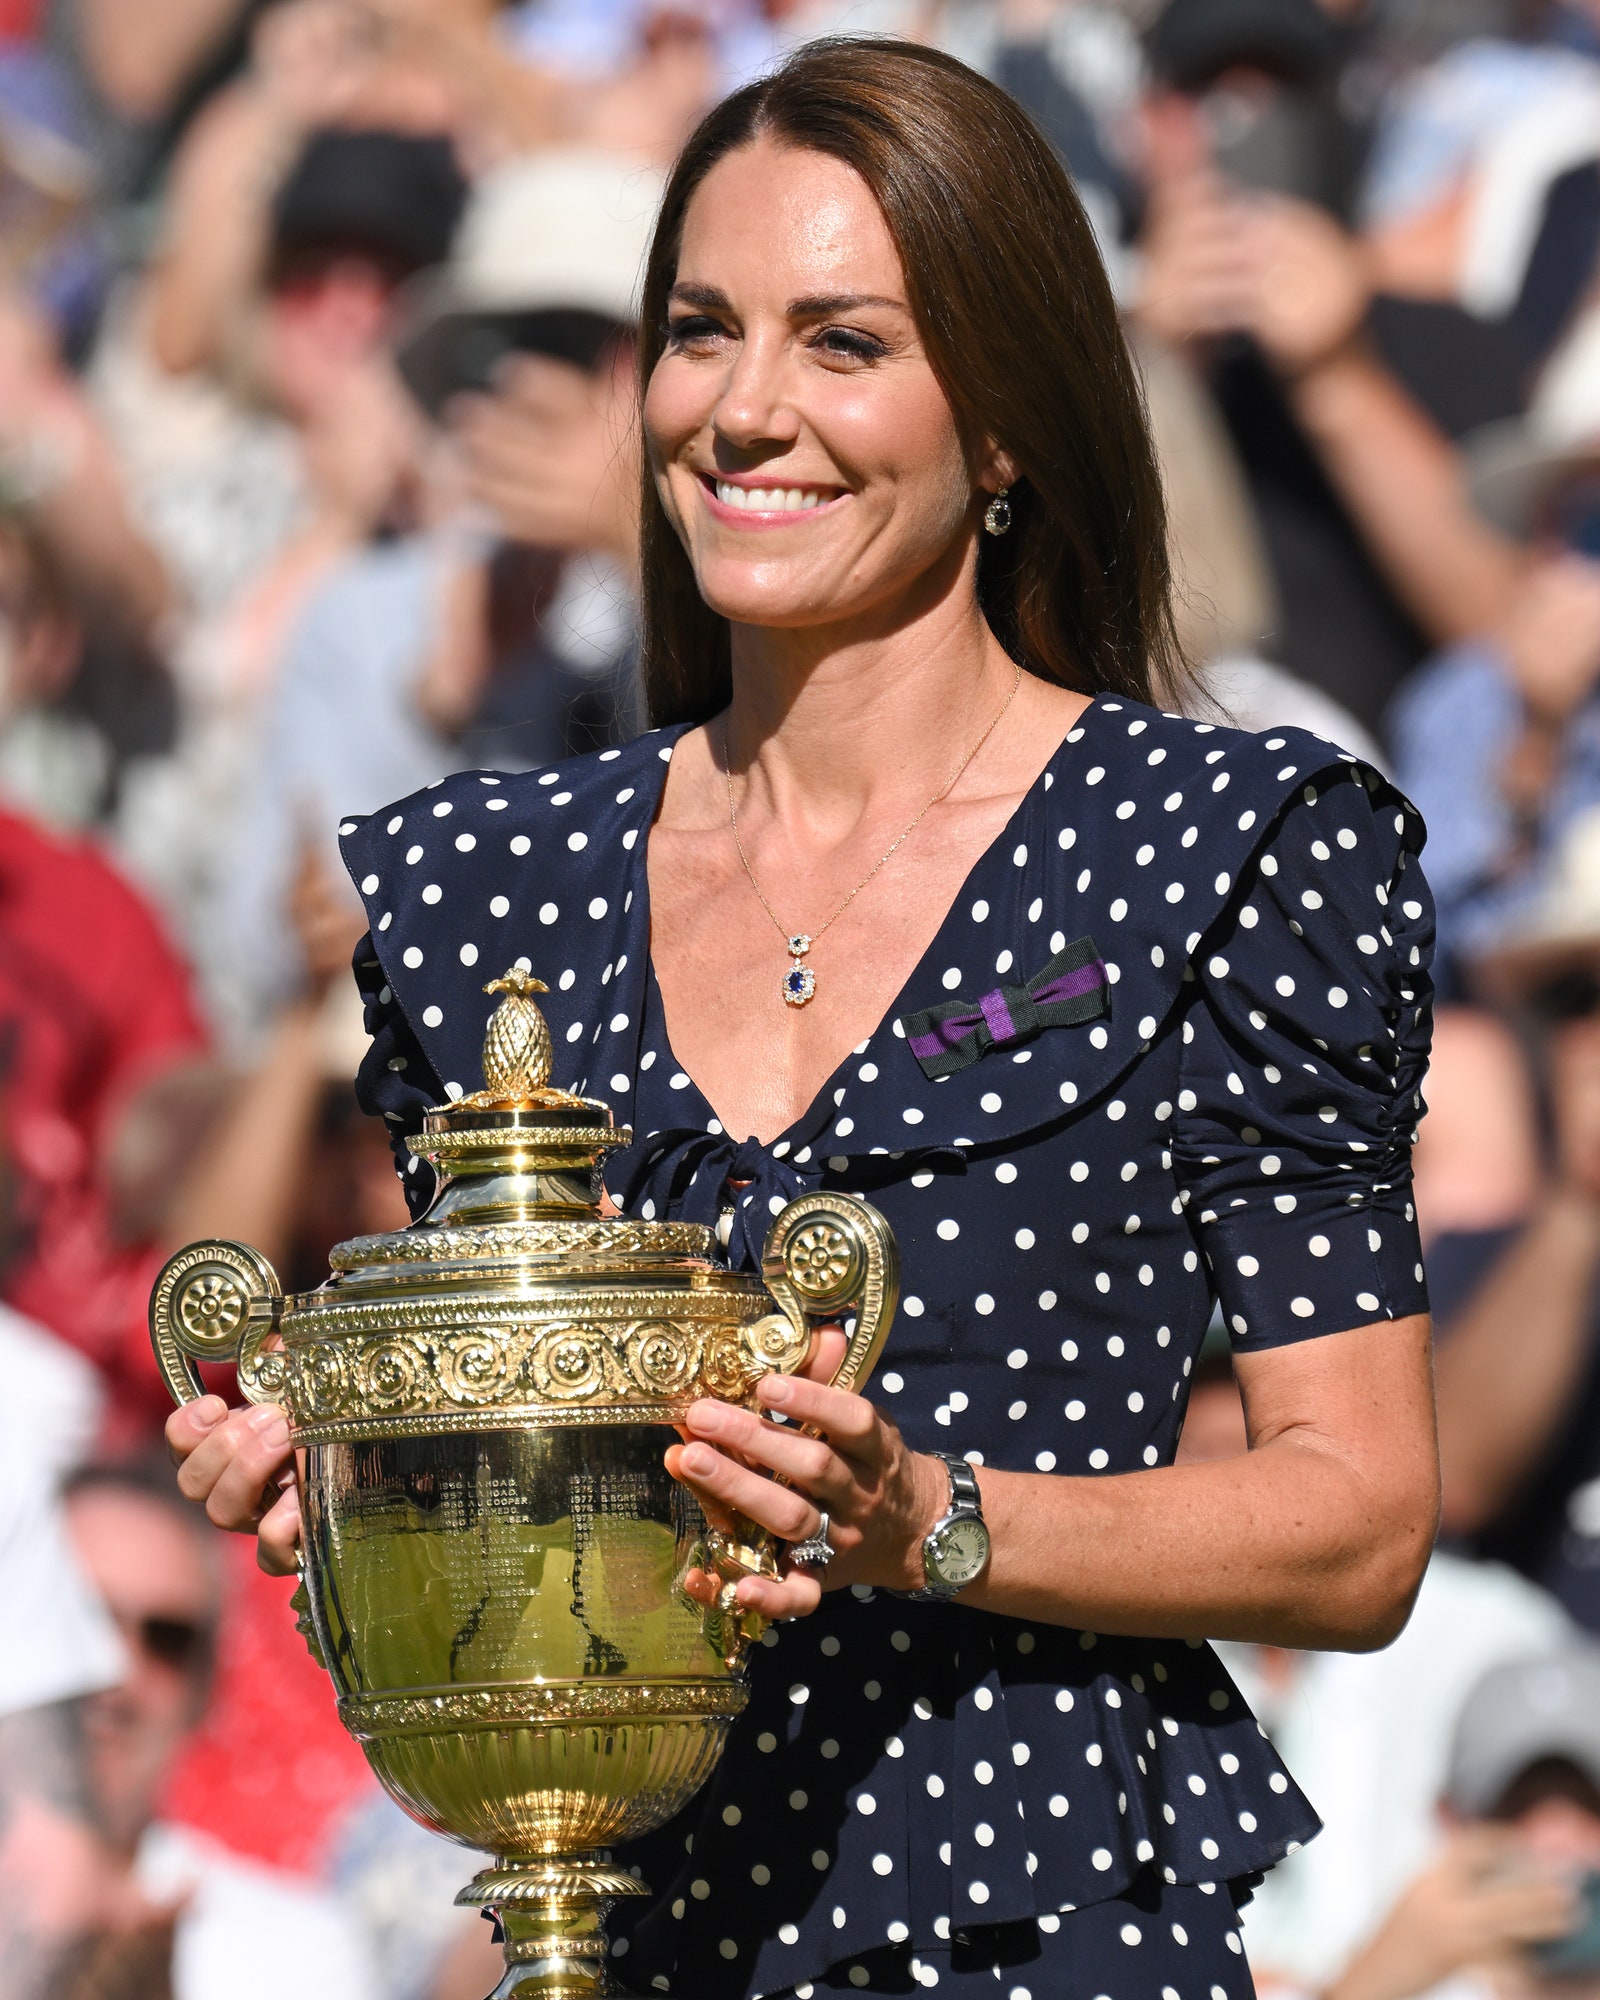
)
(816, 1551)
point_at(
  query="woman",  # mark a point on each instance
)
(1106, 1010)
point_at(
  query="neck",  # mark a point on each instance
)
(827, 721)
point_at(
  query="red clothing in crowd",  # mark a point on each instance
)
(94, 1002)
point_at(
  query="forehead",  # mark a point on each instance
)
(778, 219)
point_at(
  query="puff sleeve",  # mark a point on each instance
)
(1305, 1043)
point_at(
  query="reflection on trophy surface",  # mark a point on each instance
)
(494, 1552)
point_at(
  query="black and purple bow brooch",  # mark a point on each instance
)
(1071, 988)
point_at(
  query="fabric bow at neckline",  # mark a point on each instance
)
(685, 1173)
(1071, 988)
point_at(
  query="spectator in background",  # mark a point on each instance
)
(96, 1017)
(61, 1650)
(1367, 1733)
(1373, 547)
(1498, 739)
(502, 632)
(358, 213)
(1510, 1908)
(212, 1927)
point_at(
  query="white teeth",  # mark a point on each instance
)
(770, 499)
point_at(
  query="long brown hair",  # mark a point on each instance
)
(1011, 300)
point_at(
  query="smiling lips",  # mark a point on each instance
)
(768, 500)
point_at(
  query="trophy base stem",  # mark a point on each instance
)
(552, 1911)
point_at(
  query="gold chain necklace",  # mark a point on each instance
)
(800, 981)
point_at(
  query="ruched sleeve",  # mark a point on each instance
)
(1305, 1046)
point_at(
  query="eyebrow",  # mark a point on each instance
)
(816, 305)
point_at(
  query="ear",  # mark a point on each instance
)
(996, 468)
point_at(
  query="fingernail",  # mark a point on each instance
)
(777, 1389)
(264, 1418)
(706, 1416)
(209, 1412)
(275, 1434)
(696, 1458)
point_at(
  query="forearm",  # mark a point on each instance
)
(1401, 480)
(1285, 1546)
(1506, 1373)
(245, 1182)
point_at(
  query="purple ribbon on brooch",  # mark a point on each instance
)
(1072, 987)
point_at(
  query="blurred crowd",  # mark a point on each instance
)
(317, 483)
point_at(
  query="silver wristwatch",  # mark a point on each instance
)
(955, 1550)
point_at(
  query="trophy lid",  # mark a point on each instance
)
(517, 1112)
(515, 1165)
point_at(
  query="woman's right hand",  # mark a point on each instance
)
(238, 1465)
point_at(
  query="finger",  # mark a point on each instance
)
(278, 1537)
(191, 1424)
(722, 1482)
(261, 1453)
(716, 1516)
(826, 1357)
(807, 1462)
(795, 1595)
(211, 1457)
(847, 1420)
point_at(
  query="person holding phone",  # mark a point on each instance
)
(1510, 1909)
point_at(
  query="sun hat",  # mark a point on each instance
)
(1514, 466)
(1518, 1715)
(562, 233)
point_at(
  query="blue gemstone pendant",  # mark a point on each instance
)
(799, 982)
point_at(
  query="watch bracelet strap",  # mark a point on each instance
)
(964, 1495)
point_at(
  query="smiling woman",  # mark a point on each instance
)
(924, 888)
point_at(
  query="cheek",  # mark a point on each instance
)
(907, 436)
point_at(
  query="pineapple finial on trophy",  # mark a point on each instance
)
(516, 1049)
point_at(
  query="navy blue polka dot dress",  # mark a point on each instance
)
(932, 1796)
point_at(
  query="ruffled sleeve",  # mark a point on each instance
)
(1305, 1046)
(396, 1081)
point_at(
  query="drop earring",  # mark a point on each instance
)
(997, 515)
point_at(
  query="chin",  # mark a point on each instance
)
(779, 601)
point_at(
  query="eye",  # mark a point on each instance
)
(847, 343)
(693, 330)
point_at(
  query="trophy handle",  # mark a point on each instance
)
(217, 1301)
(828, 1256)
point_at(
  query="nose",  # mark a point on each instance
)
(756, 408)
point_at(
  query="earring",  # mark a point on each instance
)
(997, 515)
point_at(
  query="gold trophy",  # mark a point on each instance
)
(494, 1554)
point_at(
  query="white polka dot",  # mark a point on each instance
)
(499, 906)
(1302, 1308)
(432, 1016)
(520, 843)
(432, 893)
(548, 913)
(469, 954)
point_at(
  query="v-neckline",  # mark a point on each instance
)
(802, 1129)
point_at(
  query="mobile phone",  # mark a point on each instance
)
(1579, 1951)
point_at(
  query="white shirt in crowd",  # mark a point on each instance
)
(1367, 1735)
(248, 1932)
(61, 1642)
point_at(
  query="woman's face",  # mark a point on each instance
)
(801, 444)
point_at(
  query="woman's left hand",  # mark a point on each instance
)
(881, 1498)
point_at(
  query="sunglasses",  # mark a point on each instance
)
(180, 1644)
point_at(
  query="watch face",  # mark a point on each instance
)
(956, 1553)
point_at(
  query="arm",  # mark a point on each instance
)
(1399, 476)
(1317, 1537)
(1507, 1372)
